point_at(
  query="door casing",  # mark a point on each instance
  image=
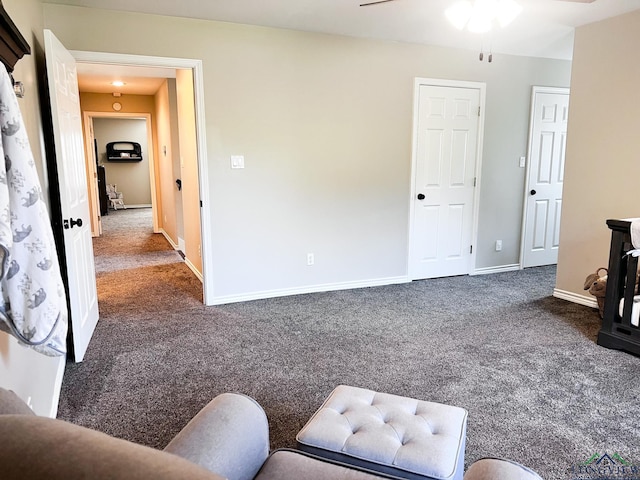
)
(88, 117)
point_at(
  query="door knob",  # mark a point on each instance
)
(533, 192)
(72, 223)
(421, 196)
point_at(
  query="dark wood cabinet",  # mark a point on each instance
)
(618, 332)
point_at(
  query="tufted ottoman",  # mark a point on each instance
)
(387, 433)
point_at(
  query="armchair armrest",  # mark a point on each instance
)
(10, 403)
(229, 436)
(498, 469)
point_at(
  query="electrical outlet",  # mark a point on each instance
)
(498, 245)
(310, 259)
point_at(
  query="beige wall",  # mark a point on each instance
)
(30, 374)
(603, 146)
(325, 125)
(189, 168)
(177, 171)
(131, 178)
(168, 149)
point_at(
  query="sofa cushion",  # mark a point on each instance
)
(56, 450)
(290, 464)
(10, 403)
(494, 468)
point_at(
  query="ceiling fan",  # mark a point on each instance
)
(377, 2)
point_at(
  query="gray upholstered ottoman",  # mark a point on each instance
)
(387, 433)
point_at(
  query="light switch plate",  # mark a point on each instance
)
(522, 161)
(237, 161)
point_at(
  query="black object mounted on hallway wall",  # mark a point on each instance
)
(124, 151)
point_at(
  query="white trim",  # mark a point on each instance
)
(92, 176)
(534, 91)
(62, 362)
(498, 269)
(186, 260)
(169, 239)
(587, 301)
(481, 87)
(193, 268)
(140, 205)
(206, 213)
(328, 287)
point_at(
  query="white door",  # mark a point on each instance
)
(543, 196)
(445, 161)
(74, 199)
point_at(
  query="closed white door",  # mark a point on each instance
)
(74, 198)
(445, 162)
(543, 197)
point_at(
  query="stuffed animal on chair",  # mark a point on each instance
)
(597, 286)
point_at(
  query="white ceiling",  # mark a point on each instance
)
(544, 28)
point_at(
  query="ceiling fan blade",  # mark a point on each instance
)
(375, 3)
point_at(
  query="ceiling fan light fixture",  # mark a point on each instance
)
(484, 11)
(479, 25)
(479, 16)
(507, 11)
(459, 14)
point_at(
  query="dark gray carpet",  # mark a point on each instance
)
(524, 364)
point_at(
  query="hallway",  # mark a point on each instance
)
(136, 268)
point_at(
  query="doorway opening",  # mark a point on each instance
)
(192, 164)
(119, 184)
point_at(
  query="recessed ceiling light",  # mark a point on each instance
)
(118, 83)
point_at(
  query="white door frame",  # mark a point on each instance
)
(92, 177)
(203, 172)
(482, 87)
(534, 90)
(88, 118)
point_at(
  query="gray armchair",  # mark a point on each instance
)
(228, 438)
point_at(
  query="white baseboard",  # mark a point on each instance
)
(166, 235)
(328, 287)
(194, 269)
(186, 260)
(140, 205)
(587, 301)
(498, 269)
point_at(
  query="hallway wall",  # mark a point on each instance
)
(132, 178)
